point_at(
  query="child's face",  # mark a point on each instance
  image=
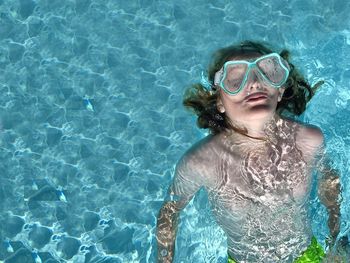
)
(256, 100)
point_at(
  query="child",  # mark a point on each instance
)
(256, 164)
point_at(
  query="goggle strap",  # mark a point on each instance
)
(218, 76)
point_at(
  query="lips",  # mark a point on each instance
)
(256, 95)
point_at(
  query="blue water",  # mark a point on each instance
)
(91, 120)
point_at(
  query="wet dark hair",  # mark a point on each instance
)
(203, 102)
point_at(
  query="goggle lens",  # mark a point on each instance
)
(272, 70)
(234, 76)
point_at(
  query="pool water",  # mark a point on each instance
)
(92, 123)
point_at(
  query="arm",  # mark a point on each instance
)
(329, 190)
(329, 195)
(183, 188)
(311, 142)
(313, 148)
(167, 223)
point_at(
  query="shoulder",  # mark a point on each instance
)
(198, 152)
(310, 135)
(309, 139)
(199, 157)
(306, 133)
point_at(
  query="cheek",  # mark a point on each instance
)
(229, 99)
(275, 93)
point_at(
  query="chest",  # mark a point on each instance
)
(265, 173)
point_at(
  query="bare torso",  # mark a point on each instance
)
(259, 190)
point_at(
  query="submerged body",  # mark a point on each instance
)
(258, 190)
(257, 166)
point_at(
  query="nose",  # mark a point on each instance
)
(254, 81)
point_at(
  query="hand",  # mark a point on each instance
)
(165, 256)
(339, 252)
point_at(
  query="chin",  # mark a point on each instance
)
(263, 111)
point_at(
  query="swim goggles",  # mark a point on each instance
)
(233, 76)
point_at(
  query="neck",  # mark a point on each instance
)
(259, 127)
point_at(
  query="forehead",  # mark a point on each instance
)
(245, 56)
